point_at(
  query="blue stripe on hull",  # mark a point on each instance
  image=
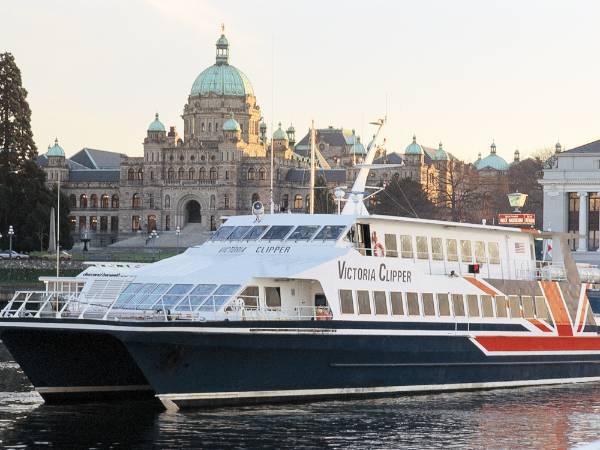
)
(219, 363)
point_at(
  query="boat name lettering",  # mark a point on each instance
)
(273, 249)
(346, 272)
(234, 249)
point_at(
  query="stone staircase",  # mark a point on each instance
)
(192, 234)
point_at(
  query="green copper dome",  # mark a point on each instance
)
(156, 124)
(414, 148)
(440, 154)
(492, 161)
(279, 134)
(55, 150)
(231, 125)
(222, 78)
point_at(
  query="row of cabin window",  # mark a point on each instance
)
(442, 305)
(468, 249)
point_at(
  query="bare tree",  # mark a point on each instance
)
(456, 193)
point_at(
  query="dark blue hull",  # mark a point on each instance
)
(191, 368)
(75, 366)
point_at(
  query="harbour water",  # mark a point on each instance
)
(556, 417)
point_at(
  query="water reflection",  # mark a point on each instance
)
(549, 417)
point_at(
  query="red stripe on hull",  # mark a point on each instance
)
(538, 343)
(540, 325)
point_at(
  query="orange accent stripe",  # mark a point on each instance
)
(540, 325)
(584, 307)
(478, 284)
(557, 306)
(538, 343)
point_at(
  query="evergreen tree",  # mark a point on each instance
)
(25, 201)
(324, 200)
(403, 197)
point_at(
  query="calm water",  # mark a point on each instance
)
(555, 417)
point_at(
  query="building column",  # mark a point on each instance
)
(583, 221)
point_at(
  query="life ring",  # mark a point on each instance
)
(377, 249)
(324, 314)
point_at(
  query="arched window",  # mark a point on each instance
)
(115, 201)
(212, 202)
(136, 201)
(298, 202)
(251, 173)
(202, 173)
(140, 174)
(226, 201)
(262, 174)
(104, 200)
(83, 201)
(308, 200)
(285, 202)
(93, 201)
(152, 175)
(151, 201)
(170, 174)
(192, 173)
(203, 127)
(213, 173)
(210, 127)
(73, 201)
(167, 201)
(255, 197)
(181, 173)
(131, 174)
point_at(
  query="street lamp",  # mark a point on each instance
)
(178, 232)
(11, 233)
(154, 236)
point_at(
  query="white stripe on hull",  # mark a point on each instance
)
(85, 389)
(170, 400)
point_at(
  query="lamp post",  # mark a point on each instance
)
(11, 233)
(178, 232)
(154, 236)
(339, 195)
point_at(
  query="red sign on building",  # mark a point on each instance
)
(516, 219)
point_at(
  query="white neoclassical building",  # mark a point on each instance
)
(571, 185)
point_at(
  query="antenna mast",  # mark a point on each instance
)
(311, 208)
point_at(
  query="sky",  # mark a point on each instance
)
(463, 72)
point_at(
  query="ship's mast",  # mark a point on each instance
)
(311, 208)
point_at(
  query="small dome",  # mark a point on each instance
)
(440, 154)
(156, 125)
(55, 150)
(231, 125)
(414, 148)
(279, 134)
(558, 147)
(222, 41)
(263, 126)
(291, 129)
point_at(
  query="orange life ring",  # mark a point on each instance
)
(377, 249)
(324, 314)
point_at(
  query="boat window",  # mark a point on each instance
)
(501, 306)
(494, 252)
(514, 305)
(487, 306)
(428, 305)
(303, 233)
(346, 301)
(153, 296)
(330, 232)
(196, 297)
(451, 250)
(238, 233)
(412, 304)
(443, 305)
(527, 302)
(219, 297)
(473, 304)
(142, 294)
(380, 303)
(255, 232)
(127, 295)
(406, 249)
(465, 251)
(391, 246)
(422, 249)
(277, 232)
(174, 295)
(437, 249)
(480, 252)
(222, 233)
(250, 296)
(458, 305)
(364, 305)
(273, 297)
(541, 310)
(396, 301)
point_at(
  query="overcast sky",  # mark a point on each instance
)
(524, 73)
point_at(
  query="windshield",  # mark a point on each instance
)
(303, 233)
(277, 232)
(330, 232)
(222, 233)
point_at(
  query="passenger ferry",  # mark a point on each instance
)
(279, 307)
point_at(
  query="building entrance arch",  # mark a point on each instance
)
(193, 212)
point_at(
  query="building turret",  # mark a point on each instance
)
(558, 148)
(291, 134)
(231, 130)
(263, 132)
(414, 152)
(57, 168)
(280, 140)
(156, 130)
(517, 157)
